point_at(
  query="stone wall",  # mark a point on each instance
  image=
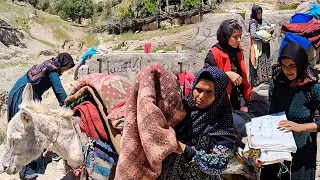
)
(128, 64)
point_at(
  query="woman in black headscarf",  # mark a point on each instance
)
(206, 133)
(228, 56)
(260, 66)
(295, 91)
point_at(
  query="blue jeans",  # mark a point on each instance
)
(240, 125)
(37, 166)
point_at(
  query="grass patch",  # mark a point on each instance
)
(239, 1)
(44, 42)
(139, 48)
(291, 6)
(219, 11)
(45, 18)
(18, 15)
(158, 33)
(171, 47)
(14, 64)
(60, 34)
(20, 22)
(90, 40)
(1, 139)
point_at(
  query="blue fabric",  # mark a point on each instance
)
(37, 166)
(240, 125)
(291, 37)
(50, 80)
(102, 151)
(300, 18)
(314, 10)
(88, 54)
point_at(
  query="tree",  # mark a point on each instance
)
(75, 9)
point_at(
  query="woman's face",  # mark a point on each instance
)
(259, 13)
(235, 38)
(204, 94)
(64, 68)
(289, 68)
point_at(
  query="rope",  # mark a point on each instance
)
(287, 170)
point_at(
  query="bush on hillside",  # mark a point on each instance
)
(190, 4)
(75, 9)
(149, 8)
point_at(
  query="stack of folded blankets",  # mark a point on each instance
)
(275, 145)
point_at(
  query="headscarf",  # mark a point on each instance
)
(217, 116)
(254, 15)
(224, 32)
(305, 73)
(37, 72)
(65, 59)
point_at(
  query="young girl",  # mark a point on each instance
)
(228, 56)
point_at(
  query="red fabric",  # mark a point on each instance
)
(223, 63)
(310, 30)
(186, 79)
(90, 123)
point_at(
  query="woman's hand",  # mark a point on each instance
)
(291, 126)
(183, 146)
(235, 78)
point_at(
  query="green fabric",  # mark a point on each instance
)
(83, 98)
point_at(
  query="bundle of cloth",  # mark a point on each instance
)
(307, 10)
(304, 26)
(274, 145)
(264, 32)
(148, 135)
(106, 92)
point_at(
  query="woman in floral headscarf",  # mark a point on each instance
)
(42, 77)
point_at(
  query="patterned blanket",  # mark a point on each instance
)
(154, 108)
(107, 91)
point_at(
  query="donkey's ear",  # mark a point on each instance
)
(27, 94)
(25, 117)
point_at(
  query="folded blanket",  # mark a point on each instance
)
(308, 30)
(113, 133)
(90, 123)
(154, 108)
(111, 89)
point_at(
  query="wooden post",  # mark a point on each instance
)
(158, 14)
(200, 11)
(167, 6)
(100, 65)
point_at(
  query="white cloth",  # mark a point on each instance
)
(268, 157)
(266, 135)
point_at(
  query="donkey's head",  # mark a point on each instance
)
(29, 132)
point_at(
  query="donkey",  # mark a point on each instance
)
(36, 128)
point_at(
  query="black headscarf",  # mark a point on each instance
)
(305, 73)
(65, 59)
(217, 116)
(224, 32)
(254, 15)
